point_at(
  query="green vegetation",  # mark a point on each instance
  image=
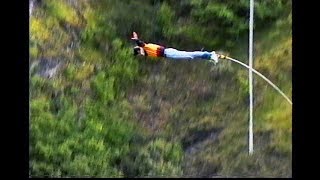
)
(104, 113)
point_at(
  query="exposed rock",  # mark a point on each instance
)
(48, 68)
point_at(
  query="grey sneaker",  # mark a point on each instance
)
(214, 57)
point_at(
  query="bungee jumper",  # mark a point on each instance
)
(155, 50)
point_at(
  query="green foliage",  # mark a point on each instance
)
(270, 10)
(70, 149)
(62, 11)
(159, 158)
(104, 87)
(41, 32)
(165, 20)
(243, 83)
(97, 28)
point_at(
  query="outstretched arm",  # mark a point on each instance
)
(137, 40)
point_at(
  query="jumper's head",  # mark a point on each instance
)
(138, 51)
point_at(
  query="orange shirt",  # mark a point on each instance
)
(153, 50)
(150, 49)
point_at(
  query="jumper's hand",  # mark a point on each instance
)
(134, 36)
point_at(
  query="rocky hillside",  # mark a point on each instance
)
(98, 111)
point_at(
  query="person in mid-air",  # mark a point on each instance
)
(154, 50)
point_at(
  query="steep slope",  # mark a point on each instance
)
(98, 111)
(205, 108)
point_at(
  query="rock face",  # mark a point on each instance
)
(48, 68)
(31, 2)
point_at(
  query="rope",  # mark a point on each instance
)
(259, 74)
(251, 78)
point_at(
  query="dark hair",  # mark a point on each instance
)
(136, 51)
